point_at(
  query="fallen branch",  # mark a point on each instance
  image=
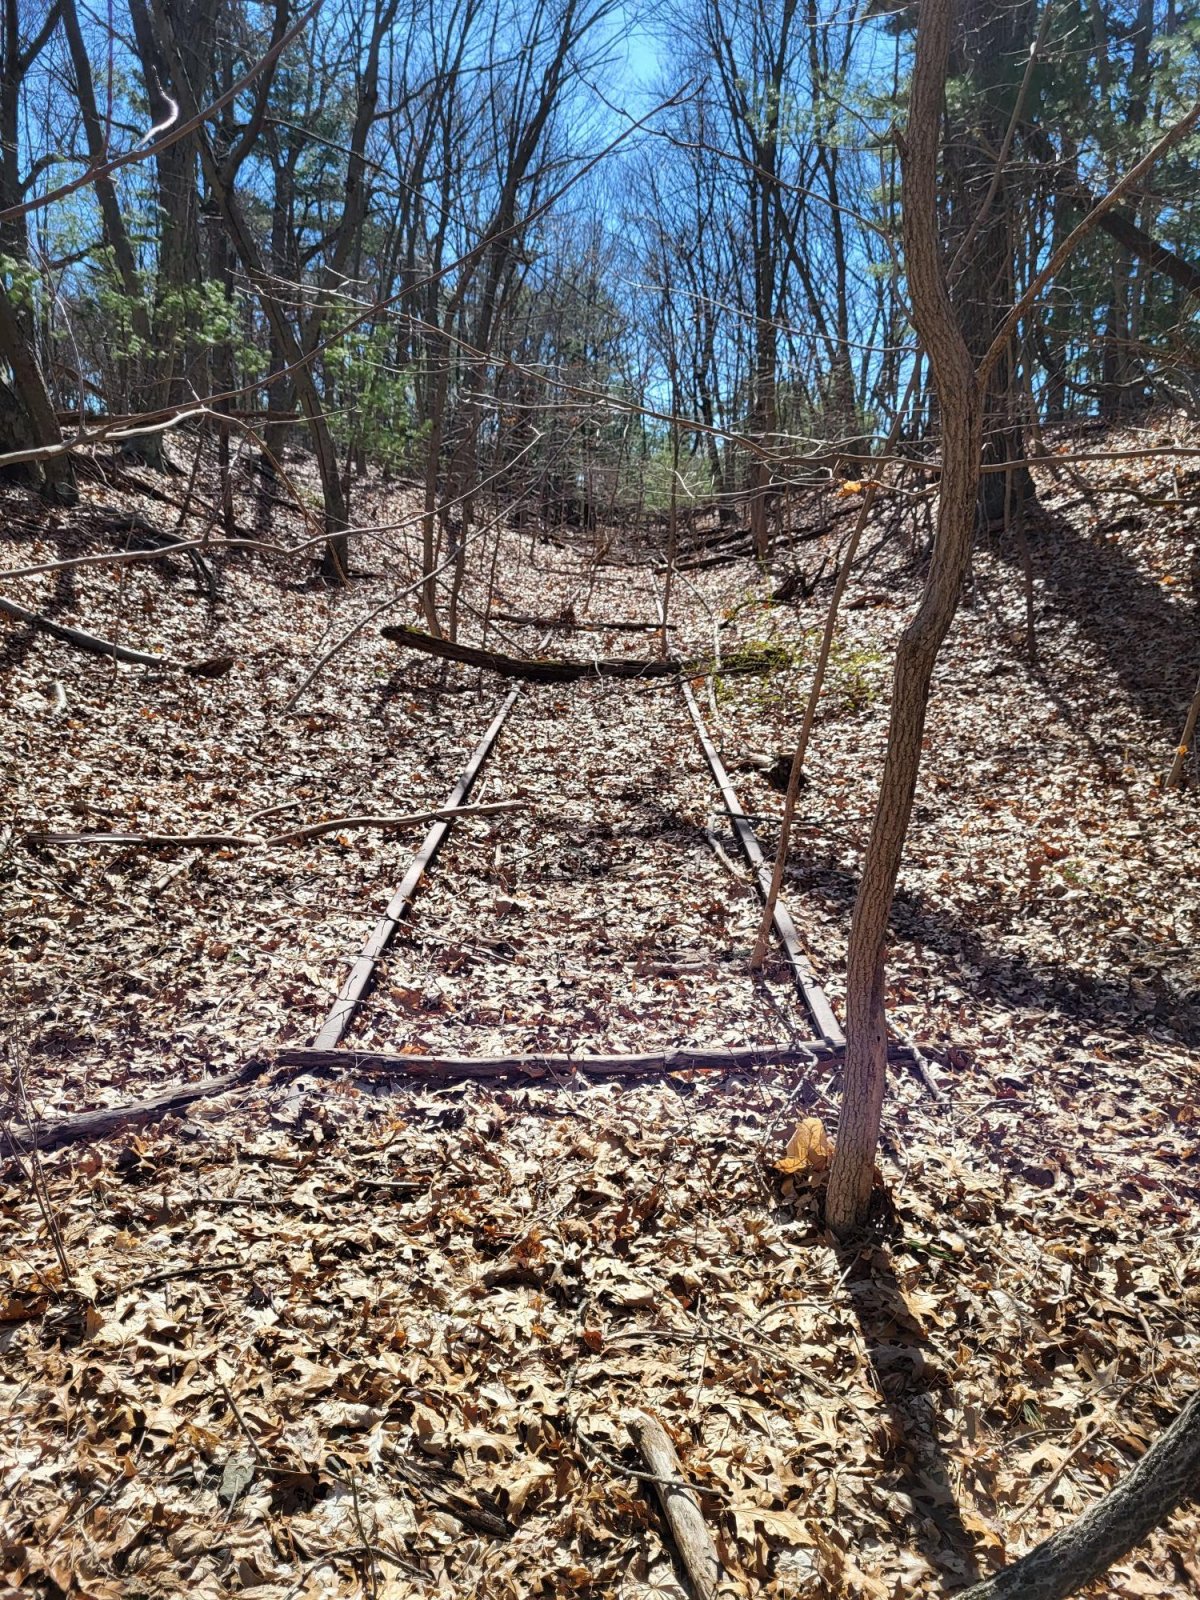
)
(316, 830)
(112, 1119)
(681, 1507)
(84, 641)
(546, 1071)
(146, 841)
(238, 841)
(1166, 1476)
(557, 670)
(129, 558)
(531, 671)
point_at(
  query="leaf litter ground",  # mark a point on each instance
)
(327, 1337)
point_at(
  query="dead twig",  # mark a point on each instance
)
(316, 830)
(34, 1175)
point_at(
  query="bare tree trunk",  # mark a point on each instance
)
(179, 360)
(116, 235)
(284, 147)
(221, 176)
(57, 478)
(986, 40)
(31, 421)
(958, 391)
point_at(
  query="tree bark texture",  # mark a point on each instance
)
(112, 219)
(987, 43)
(681, 1507)
(55, 476)
(32, 422)
(960, 401)
(1166, 1476)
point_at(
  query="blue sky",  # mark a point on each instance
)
(641, 57)
(642, 67)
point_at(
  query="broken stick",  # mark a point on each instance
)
(546, 1067)
(108, 1120)
(681, 1507)
(83, 641)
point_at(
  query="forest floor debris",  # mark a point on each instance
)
(330, 1337)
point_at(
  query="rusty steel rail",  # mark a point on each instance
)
(819, 1009)
(363, 970)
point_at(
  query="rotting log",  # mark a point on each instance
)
(363, 970)
(85, 641)
(681, 1505)
(536, 671)
(552, 669)
(1166, 1476)
(818, 1005)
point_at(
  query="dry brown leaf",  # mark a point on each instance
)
(808, 1150)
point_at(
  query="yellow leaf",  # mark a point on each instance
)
(809, 1149)
(983, 1531)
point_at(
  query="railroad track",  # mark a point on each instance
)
(330, 1050)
